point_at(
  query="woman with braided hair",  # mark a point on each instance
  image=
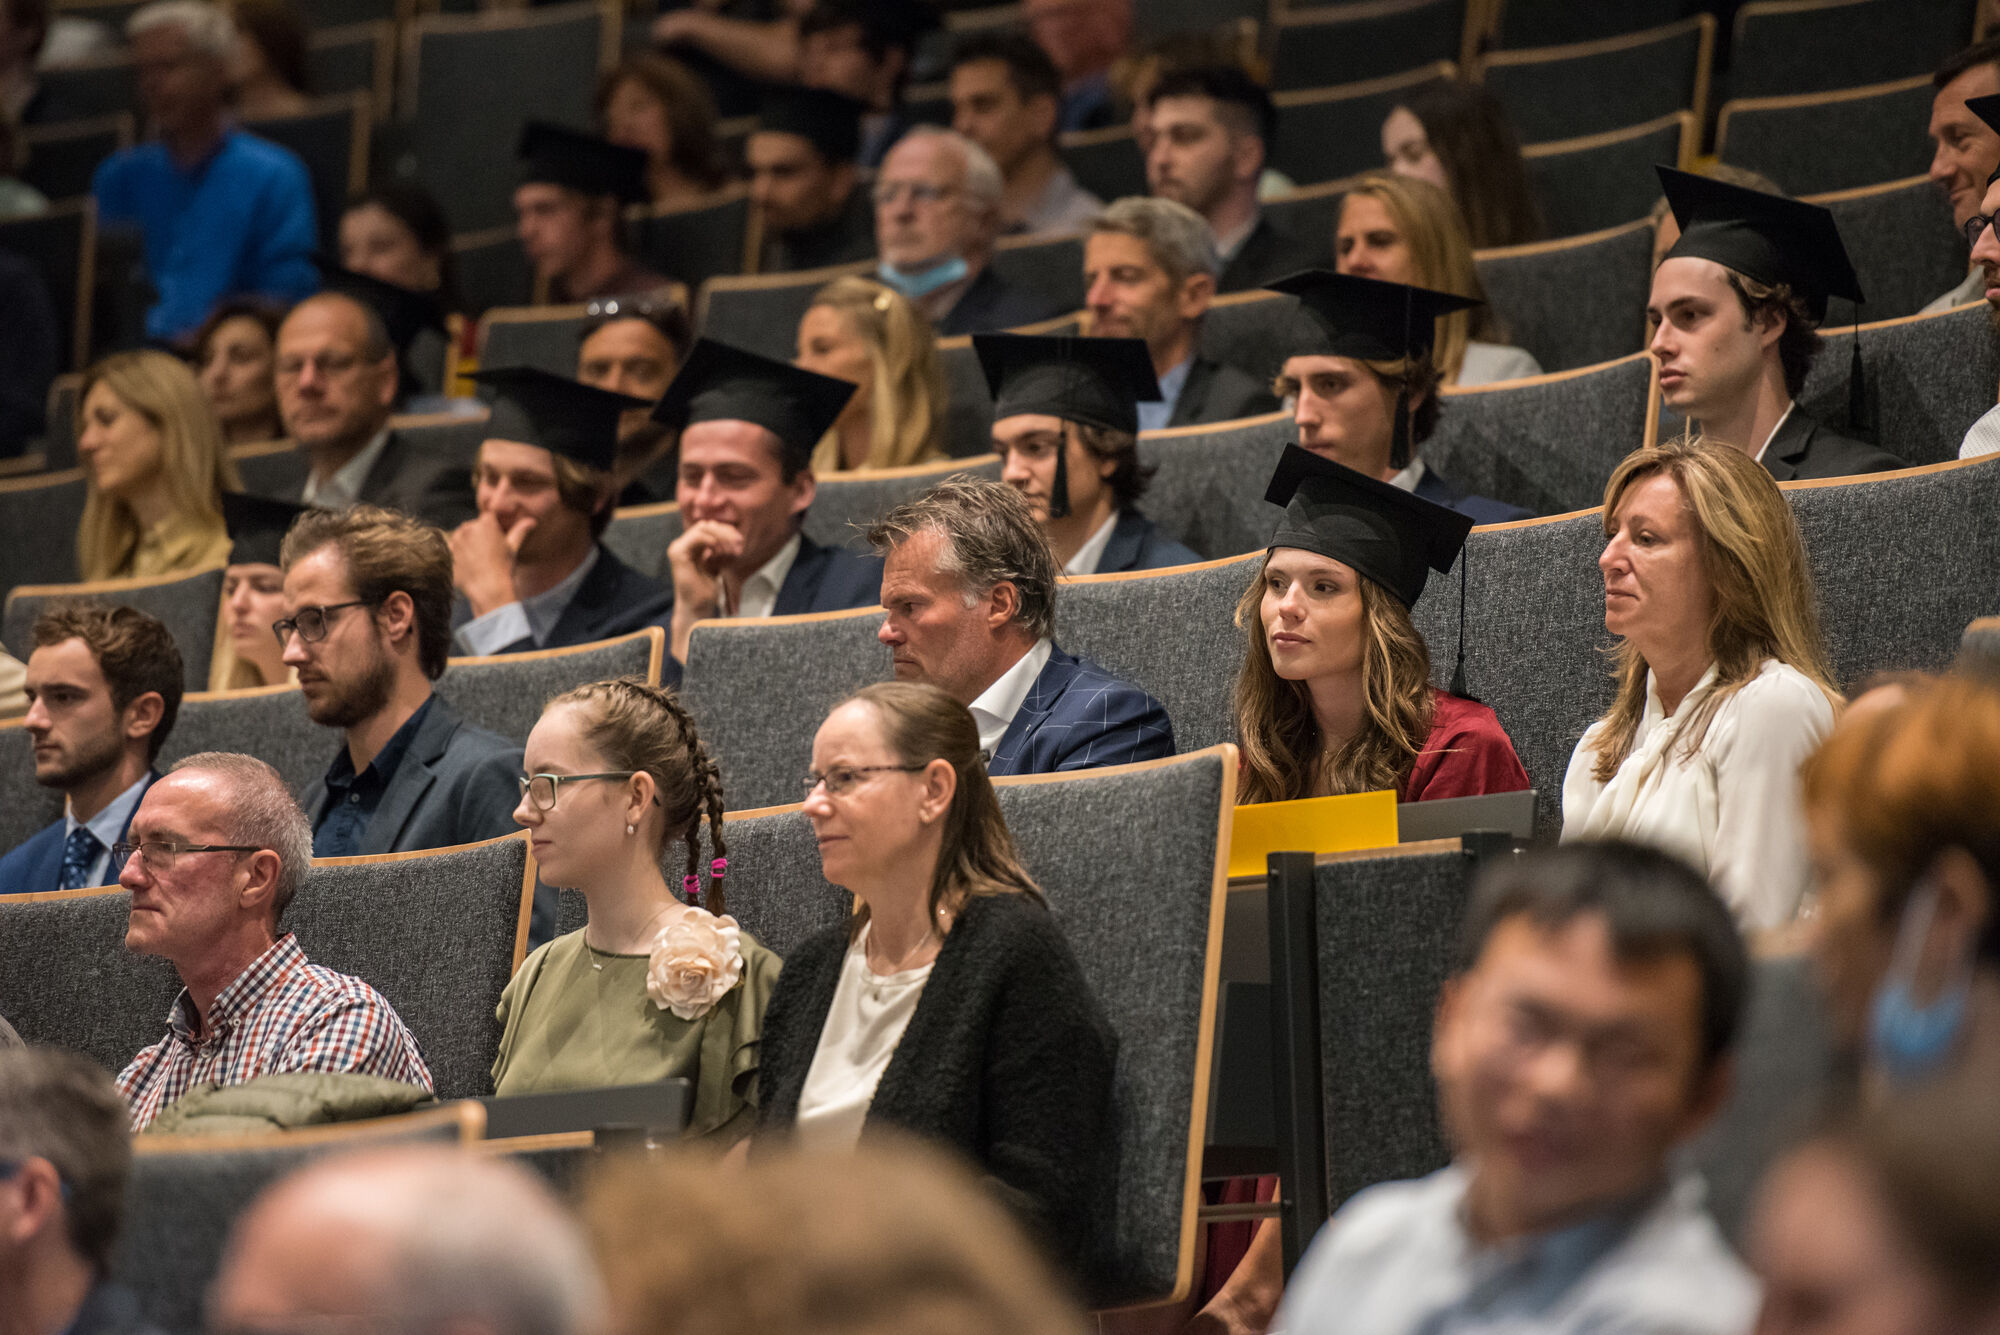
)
(653, 986)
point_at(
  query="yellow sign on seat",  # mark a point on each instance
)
(1314, 824)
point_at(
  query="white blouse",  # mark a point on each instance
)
(1732, 808)
(863, 1027)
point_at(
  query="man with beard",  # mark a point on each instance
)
(104, 684)
(367, 628)
(1984, 437)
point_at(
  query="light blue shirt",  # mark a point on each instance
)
(108, 825)
(531, 618)
(1397, 1260)
(1153, 416)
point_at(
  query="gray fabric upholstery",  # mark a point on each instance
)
(343, 62)
(1905, 247)
(323, 138)
(1812, 48)
(100, 87)
(696, 244)
(640, 537)
(548, 342)
(1601, 185)
(25, 806)
(1929, 379)
(187, 607)
(1255, 332)
(269, 724)
(1052, 266)
(1525, 23)
(271, 472)
(1576, 304)
(57, 243)
(506, 694)
(1835, 144)
(1309, 218)
(492, 271)
(1548, 445)
(1978, 650)
(1209, 487)
(62, 157)
(1323, 138)
(761, 315)
(1109, 167)
(968, 411)
(1386, 930)
(1379, 40)
(65, 978)
(1563, 97)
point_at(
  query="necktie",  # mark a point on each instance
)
(80, 851)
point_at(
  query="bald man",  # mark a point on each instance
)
(418, 1238)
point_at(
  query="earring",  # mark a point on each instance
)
(631, 829)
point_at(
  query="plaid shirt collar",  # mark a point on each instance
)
(265, 975)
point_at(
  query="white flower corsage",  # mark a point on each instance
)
(694, 962)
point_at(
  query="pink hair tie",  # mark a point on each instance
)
(691, 887)
(717, 868)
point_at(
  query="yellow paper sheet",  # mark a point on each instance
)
(1312, 824)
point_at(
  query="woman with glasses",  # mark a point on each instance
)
(949, 1006)
(650, 988)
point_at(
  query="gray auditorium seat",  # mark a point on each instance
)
(1905, 247)
(492, 270)
(1255, 332)
(1523, 23)
(762, 312)
(639, 535)
(61, 158)
(25, 806)
(186, 604)
(1830, 141)
(1324, 134)
(1105, 162)
(1782, 46)
(1574, 302)
(268, 722)
(275, 468)
(968, 403)
(1929, 378)
(1208, 489)
(506, 693)
(1049, 264)
(1604, 180)
(331, 137)
(1979, 649)
(353, 58)
(700, 242)
(1561, 92)
(39, 515)
(61, 243)
(1330, 44)
(1547, 443)
(101, 86)
(544, 337)
(66, 979)
(1310, 214)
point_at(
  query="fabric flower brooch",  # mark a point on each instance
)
(695, 960)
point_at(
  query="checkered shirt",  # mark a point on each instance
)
(280, 1014)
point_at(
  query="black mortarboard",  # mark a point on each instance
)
(830, 121)
(567, 417)
(257, 527)
(404, 311)
(1095, 381)
(1390, 535)
(1766, 237)
(721, 383)
(558, 155)
(1369, 319)
(1987, 108)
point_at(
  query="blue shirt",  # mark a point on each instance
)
(240, 222)
(351, 798)
(108, 825)
(1155, 415)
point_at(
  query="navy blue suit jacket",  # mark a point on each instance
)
(822, 579)
(36, 865)
(457, 784)
(1483, 510)
(1078, 716)
(1138, 544)
(613, 600)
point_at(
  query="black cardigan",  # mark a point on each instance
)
(1008, 1059)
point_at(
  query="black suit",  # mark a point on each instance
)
(1268, 253)
(614, 599)
(822, 579)
(1803, 447)
(846, 237)
(434, 486)
(1213, 392)
(991, 303)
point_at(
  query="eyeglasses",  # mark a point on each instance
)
(541, 789)
(159, 855)
(921, 192)
(840, 780)
(326, 365)
(1975, 227)
(310, 623)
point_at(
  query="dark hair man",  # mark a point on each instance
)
(1585, 1036)
(1967, 151)
(1007, 97)
(634, 345)
(1149, 272)
(104, 685)
(863, 49)
(217, 851)
(805, 182)
(1066, 428)
(1735, 312)
(970, 588)
(568, 212)
(1211, 128)
(1085, 38)
(367, 628)
(1984, 435)
(64, 1157)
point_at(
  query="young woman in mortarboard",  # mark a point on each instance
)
(1335, 693)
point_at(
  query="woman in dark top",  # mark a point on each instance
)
(950, 1005)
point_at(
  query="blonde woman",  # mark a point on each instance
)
(153, 458)
(1723, 683)
(859, 330)
(1404, 230)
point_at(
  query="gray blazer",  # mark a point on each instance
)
(431, 484)
(457, 785)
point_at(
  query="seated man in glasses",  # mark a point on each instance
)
(367, 628)
(217, 850)
(634, 345)
(104, 685)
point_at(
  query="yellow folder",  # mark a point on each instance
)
(1315, 824)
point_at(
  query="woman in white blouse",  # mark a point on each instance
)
(1723, 684)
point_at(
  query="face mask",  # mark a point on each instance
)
(926, 282)
(1908, 1039)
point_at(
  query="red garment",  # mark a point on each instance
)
(1468, 753)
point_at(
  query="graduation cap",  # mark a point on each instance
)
(257, 526)
(721, 383)
(563, 416)
(1392, 536)
(1766, 237)
(1988, 110)
(558, 155)
(829, 121)
(1096, 381)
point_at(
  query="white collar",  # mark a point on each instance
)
(344, 487)
(1776, 427)
(1408, 479)
(109, 823)
(1227, 246)
(760, 591)
(996, 706)
(1091, 554)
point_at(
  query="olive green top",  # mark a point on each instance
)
(578, 1018)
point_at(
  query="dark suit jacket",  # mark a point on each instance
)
(1804, 447)
(36, 866)
(822, 579)
(1267, 254)
(1434, 488)
(1078, 716)
(457, 784)
(433, 487)
(990, 303)
(1217, 393)
(614, 599)
(1138, 544)
(1008, 1059)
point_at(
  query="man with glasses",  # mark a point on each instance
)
(104, 685)
(64, 1158)
(337, 380)
(216, 853)
(1984, 435)
(634, 345)
(367, 627)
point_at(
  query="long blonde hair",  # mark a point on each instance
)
(907, 407)
(194, 467)
(1440, 258)
(1275, 730)
(1755, 564)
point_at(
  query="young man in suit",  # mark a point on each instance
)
(104, 685)
(530, 570)
(970, 589)
(1066, 428)
(568, 212)
(367, 627)
(807, 189)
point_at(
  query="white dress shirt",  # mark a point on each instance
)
(760, 591)
(863, 1027)
(1087, 556)
(1408, 479)
(343, 489)
(996, 706)
(1732, 808)
(1983, 437)
(531, 618)
(1776, 427)
(108, 825)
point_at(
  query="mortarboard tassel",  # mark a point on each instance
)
(1857, 383)
(1399, 439)
(1059, 489)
